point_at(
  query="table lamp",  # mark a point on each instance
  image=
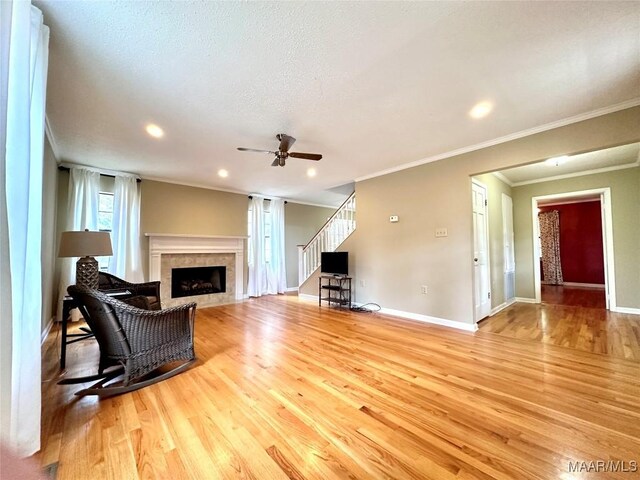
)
(86, 245)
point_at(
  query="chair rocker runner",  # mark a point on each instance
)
(139, 343)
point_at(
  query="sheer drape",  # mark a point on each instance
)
(550, 246)
(267, 273)
(82, 212)
(24, 51)
(276, 270)
(125, 236)
(256, 253)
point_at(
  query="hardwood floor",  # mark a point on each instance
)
(594, 330)
(573, 296)
(283, 389)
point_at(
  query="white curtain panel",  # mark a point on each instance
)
(82, 212)
(24, 53)
(125, 236)
(256, 257)
(276, 269)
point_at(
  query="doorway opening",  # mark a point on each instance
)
(573, 249)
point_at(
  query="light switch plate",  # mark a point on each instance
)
(441, 232)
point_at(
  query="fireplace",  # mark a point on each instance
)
(169, 251)
(190, 281)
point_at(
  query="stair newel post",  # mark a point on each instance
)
(301, 269)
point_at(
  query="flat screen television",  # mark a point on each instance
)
(334, 263)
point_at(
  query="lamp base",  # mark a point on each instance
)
(87, 272)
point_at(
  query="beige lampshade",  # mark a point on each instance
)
(86, 243)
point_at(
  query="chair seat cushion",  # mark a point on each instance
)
(138, 301)
(154, 304)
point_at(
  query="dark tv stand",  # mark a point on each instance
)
(334, 289)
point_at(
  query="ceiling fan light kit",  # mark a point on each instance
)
(283, 153)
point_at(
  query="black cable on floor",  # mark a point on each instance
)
(366, 308)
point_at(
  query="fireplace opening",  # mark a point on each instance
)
(189, 281)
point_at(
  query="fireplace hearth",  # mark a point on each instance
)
(190, 281)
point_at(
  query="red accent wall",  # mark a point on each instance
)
(580, 241)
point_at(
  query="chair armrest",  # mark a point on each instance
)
(147, 329)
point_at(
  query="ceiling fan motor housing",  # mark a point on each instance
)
(282, 153)
(282, 157)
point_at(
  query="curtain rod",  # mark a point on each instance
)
(267, 199)
(66, 169)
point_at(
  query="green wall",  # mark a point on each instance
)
(625, 209)
(302, 222)
(395, 259)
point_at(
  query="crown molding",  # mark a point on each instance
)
(239, 192)
(577, 174)
(502, 178)
(195, 185)
(634, 102)
(52, 139)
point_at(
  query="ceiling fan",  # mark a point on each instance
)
(283, 151)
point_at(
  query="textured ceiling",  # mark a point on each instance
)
(612, 158)
(370, 85)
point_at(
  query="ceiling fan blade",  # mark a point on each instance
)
(306, 156)
(286, 142)
(276, 162)
(242, 149)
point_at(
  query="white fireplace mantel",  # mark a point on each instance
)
(164, 243)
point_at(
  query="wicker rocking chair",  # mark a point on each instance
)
(141, 344)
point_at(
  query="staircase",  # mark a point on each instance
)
(341, 224)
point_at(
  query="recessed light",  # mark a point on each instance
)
(481, 110)
(223, 173)
(154, 130)
(557, 161)
(311, 172)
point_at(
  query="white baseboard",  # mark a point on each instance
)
(292, 289)
(502, 306)
(525, 300)
(585, 285)
(632, 311)
(311, 298)
(469, 327)
(45, 332)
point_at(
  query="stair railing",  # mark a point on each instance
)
(335, 231)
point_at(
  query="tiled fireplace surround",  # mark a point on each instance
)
(168, 251)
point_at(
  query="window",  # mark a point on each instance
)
(267, 235)
(105, 222)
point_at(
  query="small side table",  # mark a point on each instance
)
(334, 290)
(68, 304)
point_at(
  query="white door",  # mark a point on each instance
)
(481, 275)
(508, 245)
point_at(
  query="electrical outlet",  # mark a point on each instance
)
(424, 289)
(441, 232)
(393, 218)
(363, 283)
